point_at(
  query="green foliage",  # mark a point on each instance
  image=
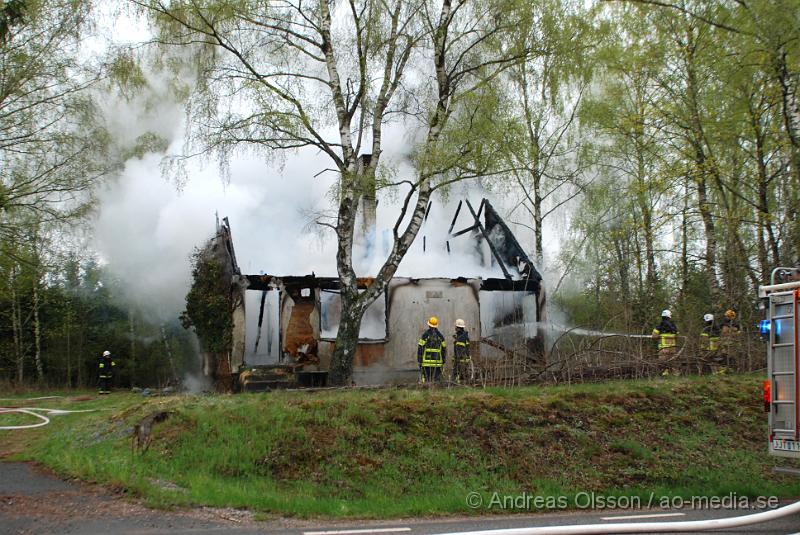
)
(146, 143)
(208, 306)
(127, 73)
(691, 207)
(390, 454)
(82, 312)
(11, 14)
(52, 146)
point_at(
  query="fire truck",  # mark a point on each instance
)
(780, 330)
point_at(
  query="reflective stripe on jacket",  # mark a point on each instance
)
(709, 338)
(665, 339)
(461, 344)
(708, 342)
(432, 350)
(666, 332)
(106, 366)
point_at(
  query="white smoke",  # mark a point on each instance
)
(147, 227)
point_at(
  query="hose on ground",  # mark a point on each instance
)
(31, 399)
(647, 527)
(32, 411)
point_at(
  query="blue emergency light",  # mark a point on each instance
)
(763, 327)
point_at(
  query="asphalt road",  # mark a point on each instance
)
(34, 502)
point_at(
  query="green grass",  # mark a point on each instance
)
(393, 453)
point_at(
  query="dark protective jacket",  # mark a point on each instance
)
(665, 332)
(461, 346)
(432, 350)
(709, 338)
(729, 326)
(105, 367)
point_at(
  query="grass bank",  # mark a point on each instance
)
(394, 453)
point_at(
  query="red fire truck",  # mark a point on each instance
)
(780, 330)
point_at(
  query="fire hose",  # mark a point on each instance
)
(31, 399)
(34, 411)
(647, 527)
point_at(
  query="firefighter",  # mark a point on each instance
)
(709, 344)
(729, 338)
(431, 352)
(709, 338)
(665, 334)
(729, 324)
(105, 368)
(461, 357)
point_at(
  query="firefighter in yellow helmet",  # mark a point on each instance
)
(729, 324)
(462, 361)
(431, 352)
(729, 338)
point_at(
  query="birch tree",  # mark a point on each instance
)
(51, 148)
(542, 142)
(625, 110)
(331, 75)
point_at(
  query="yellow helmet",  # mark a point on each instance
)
(730, 314)
(433, 322)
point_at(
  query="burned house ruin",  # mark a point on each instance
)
(284, 327)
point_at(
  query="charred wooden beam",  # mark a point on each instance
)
(260, 319)
(271, 282)
(488, 241)
(505, 285)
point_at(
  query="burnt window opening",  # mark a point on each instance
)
(508, 316)
(262, 327)
(373, 324)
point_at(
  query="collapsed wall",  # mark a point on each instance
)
(214, 307)
(283, 328)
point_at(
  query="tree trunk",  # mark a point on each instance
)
(37, 329)
(353, 304)
(80, 359)
(537, 218)
(710, 234)
(16, 325)
(349, 197)
(791, 121)
(132, 356)
(789, 110)
(637, 257)
(763, 263)
(685, 237)
(622, 269)
(67, 340)
(763, 209)
(696, 140)
(764, 215)
(533, 129)
(346, 338)
(647, 218)
(341, 369)
(170, 358)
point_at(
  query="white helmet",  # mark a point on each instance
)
(666, 313)
(460, 323)
(106, 353)
(708, 317)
